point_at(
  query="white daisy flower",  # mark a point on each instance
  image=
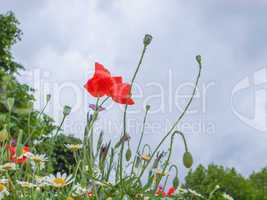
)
(8, 167)
(227, 197)
(3, 191)
(78, 190)
(41, 181)
(38, 160)
(60, 180)
(26, 184)
(74, 147)
(3, 181)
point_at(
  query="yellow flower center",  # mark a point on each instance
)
(37, 159)
(59, 181)
(2, 187)
(74, 147)
(145, 157)
(70, 198)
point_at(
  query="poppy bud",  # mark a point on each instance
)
(175, 182)
(147, 39)
(66, 110)
(48, 97)
(147, 107)
(128, 154)
(198, 58)
(10, 103)
(3, 135)
(188, 159)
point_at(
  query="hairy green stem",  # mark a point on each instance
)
(176, 122)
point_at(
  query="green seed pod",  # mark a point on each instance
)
(188, 159)
(198, 58)
(175, 182)
(48, 97)
(66, 110)
(128, 154)
(147, 107)
(3, 135)
(147, 39)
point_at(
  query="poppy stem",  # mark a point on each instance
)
(178, 119)
(140, 140)
(125, 110)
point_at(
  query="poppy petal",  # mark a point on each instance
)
(101, 71)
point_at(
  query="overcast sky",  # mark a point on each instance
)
(227, 123)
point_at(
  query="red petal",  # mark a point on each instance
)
(101, 71)
(95, 87)
(122, 90)
(117, 79)
(171, 191)
(122, 100)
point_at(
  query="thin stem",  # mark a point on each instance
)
(167, 161)
(42, 111)
(60, 126)
(140, 140)
(175, 123)
(126, 107)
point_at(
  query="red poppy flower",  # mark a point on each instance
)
(17, 159)
(161, 193)
(101, 82)
(120, 93)
(89, 194)
(170, 191)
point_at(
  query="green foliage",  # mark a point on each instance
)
(22, 116)
(62, 159)
(9, 35)
(258, 181)
(205, 180)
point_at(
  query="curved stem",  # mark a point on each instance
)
(167, 161)
(176, 122)
(144, 148)
(140, 140)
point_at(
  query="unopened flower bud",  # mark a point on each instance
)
(10, 103)
(147, 107)
(128, 154)
(188, 159)
(66, 110)
(48, 97)
(198, 59)
(147, 39)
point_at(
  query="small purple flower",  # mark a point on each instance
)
(13, 142)
(93, 107)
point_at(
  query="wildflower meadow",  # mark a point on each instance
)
(38, 161)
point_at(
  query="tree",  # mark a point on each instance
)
(258, 181)
(205, 180)
(21, 118)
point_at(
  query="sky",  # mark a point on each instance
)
(227, 122)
